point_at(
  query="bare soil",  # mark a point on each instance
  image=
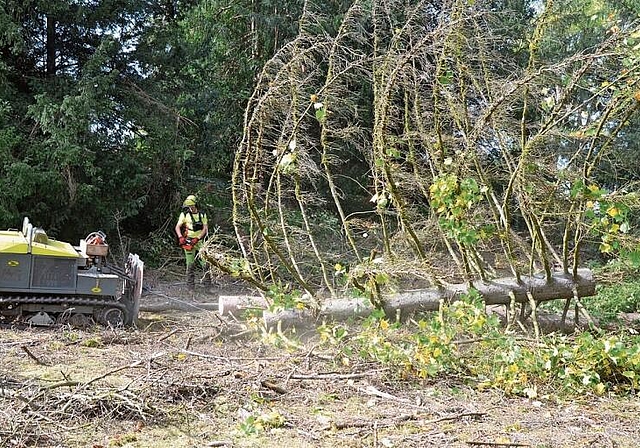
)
(188, 378)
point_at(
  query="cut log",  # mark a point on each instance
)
(178, 306)
(494, 292)
(237, 304)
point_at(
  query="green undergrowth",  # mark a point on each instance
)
(462, 343)
(617, 292)
(612, 300)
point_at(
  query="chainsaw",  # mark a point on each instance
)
(187, 243)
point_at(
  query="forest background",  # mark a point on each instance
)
(354, 139)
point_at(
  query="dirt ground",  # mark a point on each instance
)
(188, 378)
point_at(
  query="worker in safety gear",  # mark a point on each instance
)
(191, 229)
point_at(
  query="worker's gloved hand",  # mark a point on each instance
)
(182, 241)
(194, 241)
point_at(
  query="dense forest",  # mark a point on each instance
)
(330, 142)
(112, 111)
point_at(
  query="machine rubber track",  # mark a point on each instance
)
(104, 310)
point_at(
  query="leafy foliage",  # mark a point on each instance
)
(462, 341)
(453, 199)
(117, 109)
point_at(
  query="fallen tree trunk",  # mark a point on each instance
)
(495, 292)
(239, 304)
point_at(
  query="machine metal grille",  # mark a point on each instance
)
(52, 272)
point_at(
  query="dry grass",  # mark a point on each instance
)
(190, 379)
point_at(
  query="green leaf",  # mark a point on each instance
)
(381, 278)
(446, 78)
(634, 258)
(392, 152)
(576, 188)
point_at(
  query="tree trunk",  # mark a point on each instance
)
(494, 292)
(237, 304)
(51, 45)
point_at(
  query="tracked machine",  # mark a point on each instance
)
(44, 281)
